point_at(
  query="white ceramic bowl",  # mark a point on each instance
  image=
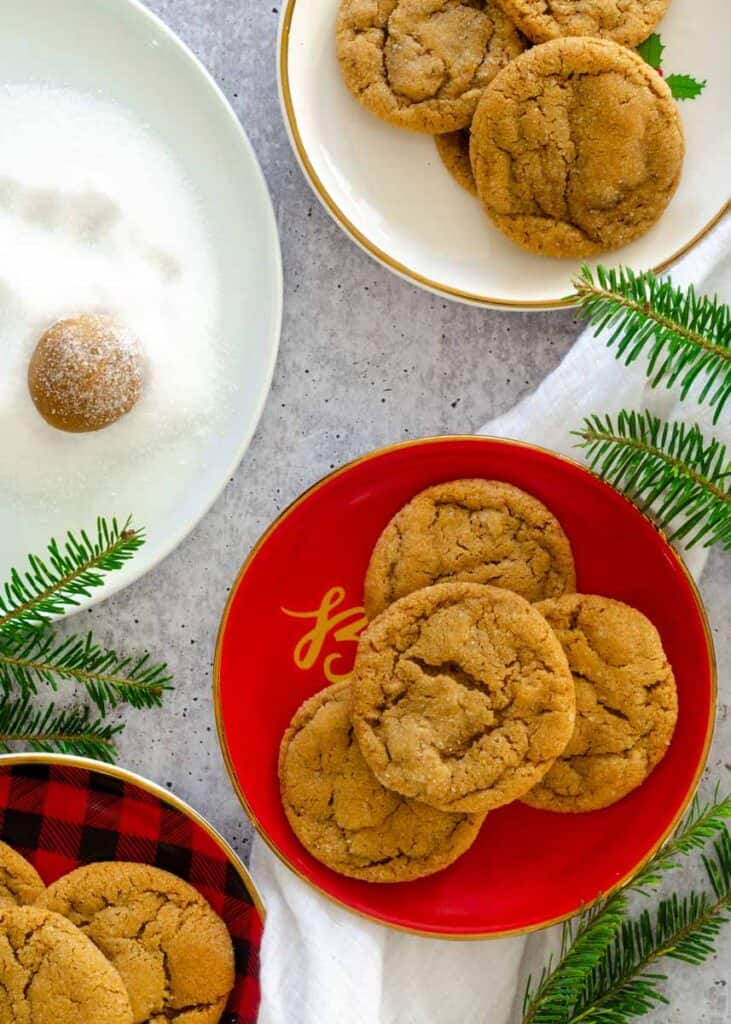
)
(388, 190)
(119, 51)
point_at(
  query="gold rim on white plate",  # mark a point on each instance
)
(316, 183)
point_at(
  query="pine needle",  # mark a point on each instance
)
(684, 928)
(70, 572)
(48, 730)
(667, 469)
(602, 974)
(32, 655)
(704, 821)
(687, 336)
(29, 658)
(582, 950)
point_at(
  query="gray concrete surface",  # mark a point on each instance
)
(365, 360)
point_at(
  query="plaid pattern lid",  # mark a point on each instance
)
(62, 812)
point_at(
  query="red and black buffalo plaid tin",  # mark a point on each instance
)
(61, 812)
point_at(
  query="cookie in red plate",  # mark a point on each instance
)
(291, 628)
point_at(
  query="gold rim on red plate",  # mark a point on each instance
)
(710, 725)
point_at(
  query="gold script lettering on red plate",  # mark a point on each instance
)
(343, 626)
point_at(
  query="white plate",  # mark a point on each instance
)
(120, 52)
(388, 190)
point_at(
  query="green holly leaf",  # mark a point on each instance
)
(685, 87)
(652, 50)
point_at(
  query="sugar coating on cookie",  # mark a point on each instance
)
(86, 373)
(577, 148)
(342, 814)
(454, 152)
(20, 883)
(422, 64)
(623, 21)
(50, 973)
(172, 951)
(462, 697)
(470, 531)
(626, 703)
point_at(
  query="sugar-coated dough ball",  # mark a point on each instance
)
(85, 373)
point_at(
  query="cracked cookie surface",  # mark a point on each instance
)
(470, 531)
(342, 814)
(454, 152)
(577, 148)
(172, 951)
(626, 703)
(422, 64)
(623, 21)
(462, 697)
(50, 973)
(20, 883)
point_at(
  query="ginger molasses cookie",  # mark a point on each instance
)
(172, 951)
(20, 883)
(624, 21)
(577, 148)
(50, 973)
(422, 64)
(470, 531)
(342, 814)
(454, 150)
(626, 703)
(462, 697)
(86, 373)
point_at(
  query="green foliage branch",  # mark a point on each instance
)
(34, 656)
(606, 970)
(686, 336)
(672, 471)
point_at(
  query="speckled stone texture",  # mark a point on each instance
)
(366, 359)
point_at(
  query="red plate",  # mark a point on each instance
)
(290, 628)
(61, 812)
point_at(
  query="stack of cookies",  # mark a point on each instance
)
(574, 145)
(481, 679)
(109, 943)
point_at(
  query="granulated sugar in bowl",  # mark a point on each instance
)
(96, 216)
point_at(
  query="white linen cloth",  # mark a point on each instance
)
(323, 965)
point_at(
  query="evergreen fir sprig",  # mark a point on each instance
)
(621, 986)
(68, 731)
(604, 955)
(39, 657)
(33, 655)
(583, 944)
(687, 336)
(70, 572)
(668, 469)
(704, 821)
